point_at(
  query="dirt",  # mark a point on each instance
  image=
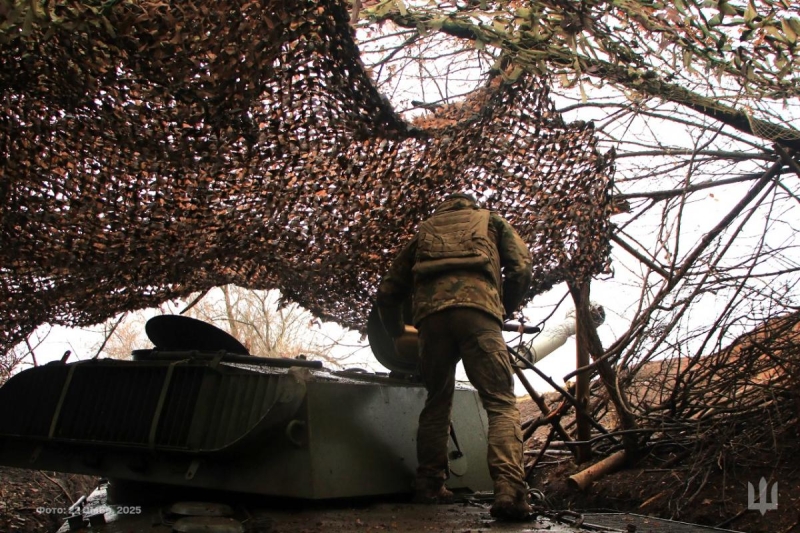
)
(35, 502)
(644, 490)
(148, 512)
(722, 502)
(677, 492)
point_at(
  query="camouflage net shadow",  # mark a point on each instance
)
(152, 150)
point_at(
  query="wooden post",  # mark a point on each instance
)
(588, 340)
(583, 379)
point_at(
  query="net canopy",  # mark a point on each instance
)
(151, 149)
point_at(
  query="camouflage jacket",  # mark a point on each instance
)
(457, 288)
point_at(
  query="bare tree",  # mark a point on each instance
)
(122, 335)
(267, 325)
(260, 320)
(23, 354)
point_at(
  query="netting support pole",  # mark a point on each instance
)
(580, 293)
(589, 347)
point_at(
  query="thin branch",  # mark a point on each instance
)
(670, 193)
(631, 250)
(641, 320)
(109, 334)
(194, 302)
(60, 486)
(527, 53)
(789, 159)
(747, 156)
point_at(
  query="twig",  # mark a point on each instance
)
(193, 302)
(531, 467)
(735, 517)
(664, 194)
(555, 422)
(631, 250)
(30, 350)
(60, 486)
(790, 528)
(108, 336)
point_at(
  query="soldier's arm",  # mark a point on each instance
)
(395, 288)
(515, 259)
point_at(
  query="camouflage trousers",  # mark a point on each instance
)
(475, 337)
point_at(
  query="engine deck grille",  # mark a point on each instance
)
(178, 405)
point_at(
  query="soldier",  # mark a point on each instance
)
(466, 269)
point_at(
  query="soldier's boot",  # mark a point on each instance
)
(511, 504)
(432, 491)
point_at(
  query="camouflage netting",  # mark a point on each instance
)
(151, 150)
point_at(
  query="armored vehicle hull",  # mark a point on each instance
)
(204, 422)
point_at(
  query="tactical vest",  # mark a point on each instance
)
(457, 240)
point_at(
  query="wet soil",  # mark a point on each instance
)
(722, 502)
(711, 495)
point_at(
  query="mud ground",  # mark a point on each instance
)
(712, 497)
(28, 498)
(644, 491)
(25, 494)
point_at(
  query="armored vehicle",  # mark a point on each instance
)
(198, 416)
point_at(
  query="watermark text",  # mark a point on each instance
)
(67, 511)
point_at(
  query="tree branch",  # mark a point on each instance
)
(528, 52)
(670, 193)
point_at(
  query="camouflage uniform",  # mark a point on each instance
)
(459, 301)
